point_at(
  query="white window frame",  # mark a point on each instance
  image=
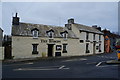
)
(51, 34)
(65, 35)
(35, 33)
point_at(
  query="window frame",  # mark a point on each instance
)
(87, 35)
(64, 48)
(50, 33)
(34, 49)
(87, 48)
(35, 33)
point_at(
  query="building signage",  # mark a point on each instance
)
(50, 41)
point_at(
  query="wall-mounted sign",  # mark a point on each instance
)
(50, 41)
(58, 47)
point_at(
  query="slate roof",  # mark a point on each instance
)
(87, 28)
(24, 29)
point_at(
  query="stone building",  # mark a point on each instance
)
(38, 40)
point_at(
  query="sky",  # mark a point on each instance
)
(103, 14)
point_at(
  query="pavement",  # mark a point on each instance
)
(113, 62)
(47, 58)
(42, 58)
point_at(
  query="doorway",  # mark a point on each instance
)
(50, 50)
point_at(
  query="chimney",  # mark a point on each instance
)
(71, 21)
(15, 20)
(98, 28)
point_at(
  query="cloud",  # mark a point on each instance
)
(56, 13)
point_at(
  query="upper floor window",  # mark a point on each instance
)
(93, 36)
(50, 33)
(35, 32)
(64, 34)
(87, 35)
(99, 37)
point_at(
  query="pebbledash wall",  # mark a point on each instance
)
(22, 47)
(34, 40)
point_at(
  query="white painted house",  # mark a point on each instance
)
(38, 40)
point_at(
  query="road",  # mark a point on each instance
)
(76, 67)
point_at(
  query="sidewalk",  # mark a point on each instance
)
(43, 58)
(113, 62)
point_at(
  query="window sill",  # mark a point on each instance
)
(87, 51)
(35, 52)
(64, 51)
(87, 40)
(35, 37)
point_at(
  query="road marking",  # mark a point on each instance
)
(30, 63)
(108, 66)
(81, 59)
(98, 63)
(61, 67)
(42, 68)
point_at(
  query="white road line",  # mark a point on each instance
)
(81, 59)
(61, 67)
(42, 68)
(19, 64)
(98, 63)
(30, 63)
(108, 66)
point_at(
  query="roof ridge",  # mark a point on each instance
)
(41, 24)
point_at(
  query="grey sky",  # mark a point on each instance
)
(104, 14)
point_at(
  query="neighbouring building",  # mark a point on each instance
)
(1, 47)
(38, 40)
(110, 40)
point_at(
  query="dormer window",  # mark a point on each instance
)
(35, 32)
(64, 34)
(50, 33)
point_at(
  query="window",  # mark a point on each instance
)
(87, 48)
(35, 49)
(99, 37)
(99, 47)
(50, 33)
(81, 41)
(64, 48)
(64, 34)
(35, 32)
(93, 36)
(87, 35)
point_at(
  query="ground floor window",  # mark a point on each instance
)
(87, 48)
(99, 47)
(35, 49)
(64, 48)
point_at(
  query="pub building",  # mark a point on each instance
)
(38, 40)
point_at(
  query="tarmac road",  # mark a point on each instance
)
(76, 67)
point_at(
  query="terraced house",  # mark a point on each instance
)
(38, 40)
